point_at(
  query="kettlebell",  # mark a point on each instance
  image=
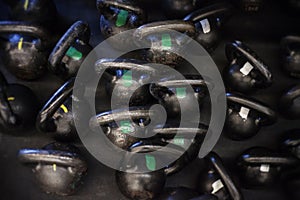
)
(121, 125)
(164, 41)
(33, 10)
(216, 181)
(134, 183)
(246, 71)
(289, 104)
(25, 49)
(176, 9)
(175, 95)
(251, 6)
(126, 80)
(208, 22)
(183, 193)
(245, 116)
(19, 107)
(70, 51)
(58, 168)
(261, 167)
(57, 117)
(291, 143)
(290, 51)
(119, 16)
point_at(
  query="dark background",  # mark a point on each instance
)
(261, 31)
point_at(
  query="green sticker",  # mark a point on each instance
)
(150, 162)
(127, 78)
(181, 92)
(122, 18)
(178, 141)
(166, 41)
(126, 127)
(74, 54)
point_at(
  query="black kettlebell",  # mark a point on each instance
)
(119, 16)
(57, 117)
(290, 52)
(25, 49)
(216, 181)
(19, 107)
(181, 193)
(289, 104)
(70, 51)
(261, 167)
(58, 168)
(33, 10)
(246, 71)
(175, 95)
(179, 8)
(245, 116)
(291, 143)
(127, 78)
(164, 41)
(134, 183)
(251, 6)
(120, 126)
(208, 22)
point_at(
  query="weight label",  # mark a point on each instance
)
(64, 108)
(265, 168)
(244, 112)
(126, 127)
(181, 93)
(26, 3)
(205, 26)
(150, 162)
(122, 18)
(74, 53)
(20, 43)
(166, 41)
(178, 141)
(218, 185)
(246, 69)
(127, 78)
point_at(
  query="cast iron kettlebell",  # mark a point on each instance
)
(119, 16)
(59, 168)
(245, 116)
(216, 180)
(260, 167)
(289, 103)
(208, 22)
(19, 107)
(176, 9)
(164, 41)
(290, 47)
(175, 95)
(246, 71)
(33, 10)
(57, 116)
(291, 143)
(25, 49)
(137, 184)
(71, 50)
(126, 80)
(120, 126)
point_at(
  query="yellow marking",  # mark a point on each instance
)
(54, 167)
(20, 44)
(65, 109)
(11, 98)
(26, 4)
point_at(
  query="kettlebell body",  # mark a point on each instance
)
(290, 48)
(289, 103)
(245, 116)
(59, 168)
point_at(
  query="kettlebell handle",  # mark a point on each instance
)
(210, 11)
(9, 27)
(290, 96)
(237, 48)
(216, 162)
(289, 39)
(79, 30)
(32, 156)
(55, 102)
(103, 5)
(186, 132)
(270, 115)
(165, 26)
(6, 111)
